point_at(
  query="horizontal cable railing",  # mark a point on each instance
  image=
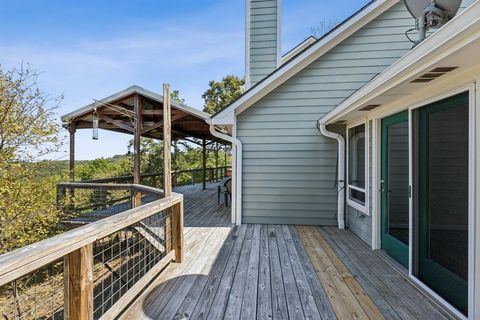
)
(86, 202)
(179, 177)
(93, 271)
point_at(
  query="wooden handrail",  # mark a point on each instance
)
(29, 258)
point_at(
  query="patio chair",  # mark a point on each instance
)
(226, 189)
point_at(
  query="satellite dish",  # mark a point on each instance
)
(431, 14)
(417, 7)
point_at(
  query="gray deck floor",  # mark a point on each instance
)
(275, 272)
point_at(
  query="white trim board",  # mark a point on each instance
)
(419, 100)
(364, 209)
(298, 63)
(456, 34)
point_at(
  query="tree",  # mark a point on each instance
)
(175, 95)
(221, 94)
(27, 131)
(323, 28)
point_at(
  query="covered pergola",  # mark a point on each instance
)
(142, 113)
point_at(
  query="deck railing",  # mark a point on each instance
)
(99, 200)
(179, 177)
(94, 271)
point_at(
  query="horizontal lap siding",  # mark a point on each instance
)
(358, 222)
(289, 169)
(263, 38)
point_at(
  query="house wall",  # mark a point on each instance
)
(358, 222)
(263, 47)
(289, 168)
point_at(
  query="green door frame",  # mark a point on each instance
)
(394, 247)
(448, 284)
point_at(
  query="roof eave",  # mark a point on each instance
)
(305, 58)
(460, 31)
(127, 92)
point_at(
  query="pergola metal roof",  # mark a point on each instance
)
(117, 113)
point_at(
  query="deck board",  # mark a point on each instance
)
(275, 272)
(403, 296)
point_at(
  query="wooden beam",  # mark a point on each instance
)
(167, 163)
(117, 123)
(204, 164)
(72, 129)
(136, 139)
(167, 141)
(121, 108)
(158, 112)
(78, 277)
(150, 128)
(177, 228)
(155, 112)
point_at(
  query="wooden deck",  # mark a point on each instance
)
(276, 272)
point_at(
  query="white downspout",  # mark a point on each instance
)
(341, 171)
(237, 173)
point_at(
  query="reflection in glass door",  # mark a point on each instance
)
(442, 254)
(394, 187)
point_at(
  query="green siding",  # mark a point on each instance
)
(263, 29)
(288, 166)
(359, 223)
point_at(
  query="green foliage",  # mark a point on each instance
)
(221, 94)
(27, 131)
(104, 168)
(175, 95)
(27, 207)
(27, 128)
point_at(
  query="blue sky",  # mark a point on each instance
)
(90, 49)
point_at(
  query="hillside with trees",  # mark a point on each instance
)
(29, 131)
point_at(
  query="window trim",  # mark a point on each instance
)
(352, 202)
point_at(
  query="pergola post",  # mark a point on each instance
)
(170, 224)
(167, 141)
(216, 160)
(72, 129)
(136, 138)
(204, 163)
(225, 165)
(137, 106)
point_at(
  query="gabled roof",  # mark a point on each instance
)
(303, 59)
(297, 49)
(128, 92)
(117, 113)
(454, 45)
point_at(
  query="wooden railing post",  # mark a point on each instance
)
(177, 229)
(136, 198)
(78, 284)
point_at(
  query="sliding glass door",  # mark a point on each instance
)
(394, 187)
(441, 257)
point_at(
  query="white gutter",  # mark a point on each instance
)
(341, 171)
(237, 172)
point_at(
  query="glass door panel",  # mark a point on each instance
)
(443, 199)
(394, 187)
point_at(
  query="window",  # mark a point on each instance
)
(357, 167)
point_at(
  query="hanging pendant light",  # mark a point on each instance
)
(95, 124)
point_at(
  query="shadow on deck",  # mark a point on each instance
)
(276, 271)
